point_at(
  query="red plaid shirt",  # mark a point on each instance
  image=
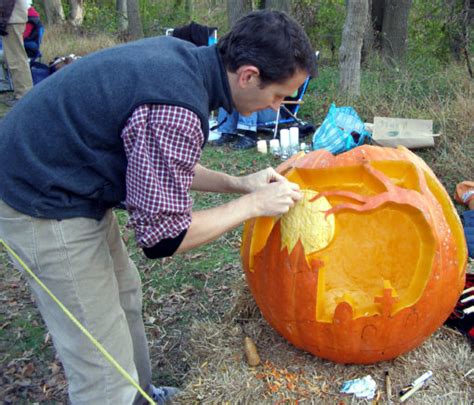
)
(163, 145)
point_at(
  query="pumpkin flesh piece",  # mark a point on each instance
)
(307, 222)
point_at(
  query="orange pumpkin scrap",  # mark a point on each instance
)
(385, 270)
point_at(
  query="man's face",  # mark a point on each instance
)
(249, 96)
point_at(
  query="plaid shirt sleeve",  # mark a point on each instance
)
(163, 145)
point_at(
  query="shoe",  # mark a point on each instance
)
(464, 192)
(162, 395)
(224, 138)
(245, 142)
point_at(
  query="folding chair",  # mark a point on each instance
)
(287, 115)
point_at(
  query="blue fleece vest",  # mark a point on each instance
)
(61, 154)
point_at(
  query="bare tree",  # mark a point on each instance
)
(237, 9)
(376, 12)
(76, 15)
(395, 30)
(54, 11)
(306, 14)
(135, 28)
(457, 26)
(467, 16)
(282, 5)
(369, 35)
(350, 50)
(122, 21)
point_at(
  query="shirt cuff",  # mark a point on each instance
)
(165, 247)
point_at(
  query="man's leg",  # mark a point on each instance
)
(73, 258)
(17, 60)
(130, 291)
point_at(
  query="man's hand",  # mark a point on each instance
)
(255, 181)
(275, 198)
(272, 199)
(210, 180)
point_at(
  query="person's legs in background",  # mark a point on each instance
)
(247, 127)
(266, 115)
(247, 132)
(462, 318)
(17, 60)
(240, 128)
(228, 128)
(465, 195)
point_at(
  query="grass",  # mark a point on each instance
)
(62, 41)
(187, 298)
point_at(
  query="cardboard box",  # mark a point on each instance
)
(412, 133)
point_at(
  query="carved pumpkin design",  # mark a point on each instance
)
(379, 280)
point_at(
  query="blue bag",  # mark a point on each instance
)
(341, 130)
(39, 71)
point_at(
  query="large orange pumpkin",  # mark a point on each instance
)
(390, 267)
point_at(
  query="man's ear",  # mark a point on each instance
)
(247, 74)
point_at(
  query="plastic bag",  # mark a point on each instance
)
(341, 130)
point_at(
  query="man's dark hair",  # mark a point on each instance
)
(273, 42)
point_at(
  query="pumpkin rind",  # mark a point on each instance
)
(390, 276)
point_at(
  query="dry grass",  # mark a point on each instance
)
(287, 375)
(453, 158)
(64, 40)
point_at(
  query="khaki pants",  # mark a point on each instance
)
(85, 264)
(17, 60)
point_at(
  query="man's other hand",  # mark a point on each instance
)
(255, 181)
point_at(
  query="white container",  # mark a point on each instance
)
(275, 147)
(262, 146)
(285, 143)
(294, 138)
(284, 137)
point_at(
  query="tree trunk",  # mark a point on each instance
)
(351, 45)
(54, 11)
(395, 30)
(122, 21)
(135, 28)
(467, 17)
(376, 17)
(76, 15)
(369, 36)
(282, 5)
(237, 9)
